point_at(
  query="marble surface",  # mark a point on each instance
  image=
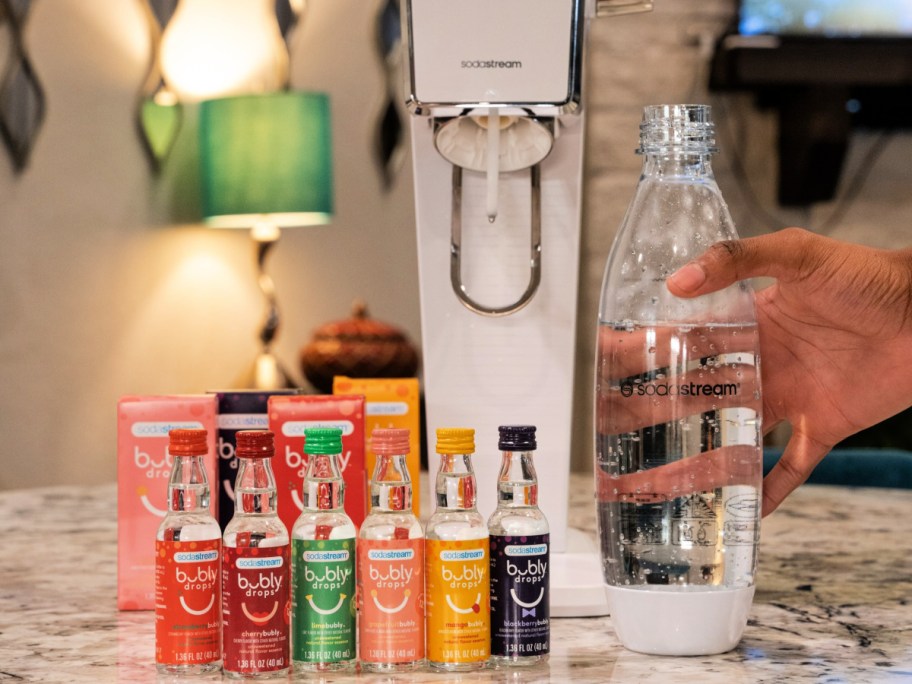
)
(832, 602)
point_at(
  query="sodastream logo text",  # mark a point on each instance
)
(684, 389)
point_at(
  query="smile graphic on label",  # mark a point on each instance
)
(323, 611)
(229, 489)
(144, 499)
(534, 603)
(259, 618)
(197, 612)
(390, 611)
(296, 497)
(464, 611)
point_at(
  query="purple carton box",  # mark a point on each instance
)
(237, 410)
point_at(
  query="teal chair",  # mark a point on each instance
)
(856, 467)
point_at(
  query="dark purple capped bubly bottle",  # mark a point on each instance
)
(520, 559)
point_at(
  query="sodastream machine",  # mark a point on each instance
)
(497, 125)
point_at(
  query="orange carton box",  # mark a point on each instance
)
(289, 416)
(390, 403)
(143, 470)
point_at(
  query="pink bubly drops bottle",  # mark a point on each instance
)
(391, 564)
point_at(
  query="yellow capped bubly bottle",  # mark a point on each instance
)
(456, 556)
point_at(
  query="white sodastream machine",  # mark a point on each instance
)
(494, 91)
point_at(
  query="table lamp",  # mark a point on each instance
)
(266, 164)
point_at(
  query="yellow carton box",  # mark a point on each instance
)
(389, 403)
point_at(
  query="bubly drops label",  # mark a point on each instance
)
(256, 600)
(520, 618)
(323, 605)
(187, 605)
(391, 583)
(458, 601)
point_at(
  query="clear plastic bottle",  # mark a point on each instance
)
(187, 563)
(391, 564)
(323, 563)
(256, 576)
(678, 410)
(456, 556)
(520, 557)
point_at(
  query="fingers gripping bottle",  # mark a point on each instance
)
(520, 558)
(391, 564)
(256, 603)
(678, 410)
(456, 554)
(187, 558)
(323, 563)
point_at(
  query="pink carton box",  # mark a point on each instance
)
(143, 468)
(288, 418)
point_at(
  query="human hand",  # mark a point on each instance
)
(835, 337)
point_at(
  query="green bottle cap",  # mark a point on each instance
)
(323, 440)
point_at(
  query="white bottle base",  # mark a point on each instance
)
(679, 621)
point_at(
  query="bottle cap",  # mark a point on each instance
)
(255, 444)
(517, 438)
(323, 440)
(187, 442)
(390, 441)
(680, 127)
(455, 441)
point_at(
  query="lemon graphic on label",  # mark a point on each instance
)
(402, 605)
(323, 611)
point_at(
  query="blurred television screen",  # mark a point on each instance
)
(826, 18)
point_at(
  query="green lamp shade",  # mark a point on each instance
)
(266, 156)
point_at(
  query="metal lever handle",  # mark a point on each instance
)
(456, 249)
(608, 8)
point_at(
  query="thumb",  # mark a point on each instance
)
(783, 254)
(801, 455)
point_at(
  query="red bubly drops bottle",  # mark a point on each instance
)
(256, 608)
(187, 558)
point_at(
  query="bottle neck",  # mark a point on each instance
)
(517, 484)
(674, 164)
(255, 488)
(188, 488)
(391, 486)
(324, 489)
(455, 484)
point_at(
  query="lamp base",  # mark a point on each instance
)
(265, 373)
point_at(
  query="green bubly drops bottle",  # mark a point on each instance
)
(323, 563)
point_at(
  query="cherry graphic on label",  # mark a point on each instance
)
(260, 618)
(476, 608)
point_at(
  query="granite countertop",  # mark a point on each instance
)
(832, 602)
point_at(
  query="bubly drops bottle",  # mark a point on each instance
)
(391, 564)
(520, 556)
(456, 554)
(323, 563)
(256, 569)
(678, 410)
(188, 609)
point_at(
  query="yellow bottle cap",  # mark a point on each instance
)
(455, 441)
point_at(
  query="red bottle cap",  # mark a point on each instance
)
(390, 441)
(182, 442)
(255, 444)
